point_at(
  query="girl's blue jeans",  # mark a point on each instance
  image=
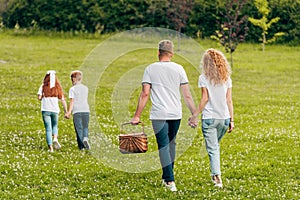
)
(165, 132)
(213, 130)
(51, 125)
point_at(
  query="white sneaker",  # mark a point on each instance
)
(56, 144)
(50, 150)
(86, 143)
(171, 186)
(216, 179)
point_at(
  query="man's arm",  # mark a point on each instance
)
(143, 99)
(185, 89)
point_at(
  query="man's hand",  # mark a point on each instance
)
(135, 120)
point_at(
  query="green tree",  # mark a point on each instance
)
(264, 23)
(100, 16)
(178, 13)
(156, 14)
(3, 6)
(288, 11)
(123, 15)
(234, 29)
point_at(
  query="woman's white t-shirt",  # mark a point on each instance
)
(216, 107)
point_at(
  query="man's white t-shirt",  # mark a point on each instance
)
(49, 104)
(216, 107)
(79, 93)
(165, 79)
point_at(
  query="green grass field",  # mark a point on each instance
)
(260, 159)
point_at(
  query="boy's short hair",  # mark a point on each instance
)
(77, 75)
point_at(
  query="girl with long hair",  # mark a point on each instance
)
(49, 93)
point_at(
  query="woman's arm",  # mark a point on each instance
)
(230, 108)
(193, 120)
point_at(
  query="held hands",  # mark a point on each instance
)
(67, 115)
(193, 121)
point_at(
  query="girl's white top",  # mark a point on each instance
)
(48, 103)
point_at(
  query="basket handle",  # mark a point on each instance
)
(127, 123)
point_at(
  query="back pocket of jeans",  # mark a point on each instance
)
(208, 122)
(227, 121)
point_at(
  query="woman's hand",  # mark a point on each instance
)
(231, 126)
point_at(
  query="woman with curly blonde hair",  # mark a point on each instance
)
(216, 107)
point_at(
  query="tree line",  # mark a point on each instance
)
(196, 18)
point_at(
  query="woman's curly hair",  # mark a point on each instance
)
(215, 66)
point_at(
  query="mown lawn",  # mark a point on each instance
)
(260, 159)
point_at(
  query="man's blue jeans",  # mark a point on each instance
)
(81, 125)
(165, 132)
(51, 125)
(213, 130)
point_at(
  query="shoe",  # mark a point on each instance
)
(216, 179)
(50, 150)
(56, 144)
(86, 143)
(171, 186)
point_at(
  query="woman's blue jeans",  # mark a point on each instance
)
(165, 132)
(81, 125)
(51, 125)
(213, 130)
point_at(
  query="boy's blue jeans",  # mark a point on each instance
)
(81, 125)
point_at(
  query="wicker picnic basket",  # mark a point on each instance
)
(133, 142)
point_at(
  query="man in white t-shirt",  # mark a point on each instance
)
(163, 81)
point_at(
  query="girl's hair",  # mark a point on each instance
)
(76, 76)
(215, 66)
(52, 92)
